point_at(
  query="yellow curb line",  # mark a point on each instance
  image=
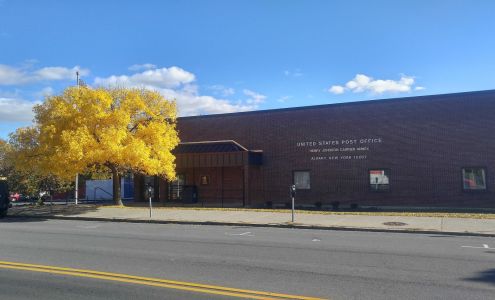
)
(171, 284)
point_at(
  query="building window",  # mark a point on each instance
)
(302, 180)
(205, 180)
(473, 179)
(380, 179)
(180, 180)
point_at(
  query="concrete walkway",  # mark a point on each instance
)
(263, 218)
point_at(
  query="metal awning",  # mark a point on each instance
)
(224, 153)
(209, 147)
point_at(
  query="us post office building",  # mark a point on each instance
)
(427, 151)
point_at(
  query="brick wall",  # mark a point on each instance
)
(424, 142)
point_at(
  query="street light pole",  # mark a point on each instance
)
(76, 190)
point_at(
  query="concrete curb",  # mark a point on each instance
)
(269, 225)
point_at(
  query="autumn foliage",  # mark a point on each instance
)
(84, 130)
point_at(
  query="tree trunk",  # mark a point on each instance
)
(139, 189)
(116, 187)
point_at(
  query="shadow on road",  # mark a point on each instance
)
(487, 276)
(18, 219)
(31, 213)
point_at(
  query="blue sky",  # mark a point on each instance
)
(225, 56)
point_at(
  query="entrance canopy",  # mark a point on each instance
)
(214, 173)
(210, 154)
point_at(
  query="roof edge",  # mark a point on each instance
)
(216, 142)
(339, 104)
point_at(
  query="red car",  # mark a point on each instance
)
(15, 197)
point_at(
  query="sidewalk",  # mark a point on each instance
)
(446, 225)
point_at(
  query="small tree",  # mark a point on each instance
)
(85, 129)
(5, 165)
(29, 182)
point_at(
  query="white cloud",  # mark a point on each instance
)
(29, 63)
(284, 99)
(60, 73)
(23, 75)
(228, 92)
(176, 83)
(419, 88)
(16, 110)
(45, 92)
(141, 67)
(191, 103)
(221, 90)
(11, 76)
(362, 83)
(336, 89)
(254, 97)
(294, 73)
(162, 78)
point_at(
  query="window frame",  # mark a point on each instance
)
(207, 180)
(475, 190)
(294, 179)
(389, 189)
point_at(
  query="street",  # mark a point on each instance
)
(313, 263)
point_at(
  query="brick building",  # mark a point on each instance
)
(435, 151)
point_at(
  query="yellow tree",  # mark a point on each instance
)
(85, 129)
(4, 150)
(30, 179)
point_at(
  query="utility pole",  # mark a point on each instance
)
(76, 190)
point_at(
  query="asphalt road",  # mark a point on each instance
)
(15, 285)
(328, 264)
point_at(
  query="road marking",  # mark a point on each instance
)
(245, 233)
(157, 282)
(248, 233)
(316, 240)
(485, 246)
(88, 226)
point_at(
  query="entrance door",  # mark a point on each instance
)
(176, 188)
